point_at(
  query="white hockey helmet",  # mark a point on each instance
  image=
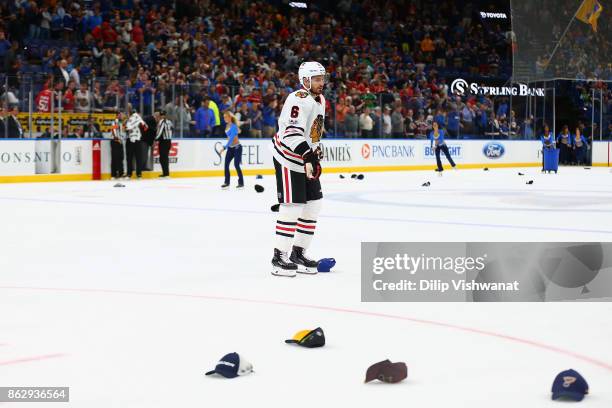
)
(310, 69)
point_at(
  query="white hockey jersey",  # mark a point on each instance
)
(300, 127)
(132, 126)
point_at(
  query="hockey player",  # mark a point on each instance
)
(297, 155)
(133, 149)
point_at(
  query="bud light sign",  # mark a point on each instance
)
(454, 150)
(493, 150)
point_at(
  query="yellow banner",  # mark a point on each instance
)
(41, 122)
(589, 12)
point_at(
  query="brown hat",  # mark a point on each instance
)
(388, 372)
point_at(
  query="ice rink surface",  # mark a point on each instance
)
(129, 295)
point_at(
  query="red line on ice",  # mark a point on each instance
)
(31, 359)
(515, 339)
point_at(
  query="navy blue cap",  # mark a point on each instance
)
(231, 366)
(326, 264)
(569, 384)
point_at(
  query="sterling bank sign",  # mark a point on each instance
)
(461, 87)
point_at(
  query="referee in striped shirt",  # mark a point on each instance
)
(164, 138)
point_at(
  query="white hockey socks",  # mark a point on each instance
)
(286, 225)
(307, 223)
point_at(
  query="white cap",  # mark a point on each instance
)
(310, 69)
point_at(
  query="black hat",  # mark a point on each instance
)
(386, 371)
(308, 338)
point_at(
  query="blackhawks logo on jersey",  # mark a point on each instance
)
(316, 131)
(301, 94)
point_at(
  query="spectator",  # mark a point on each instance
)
(255, 116)
(106, 34)
(113, 97)
(83, 99)
(7, 97)
(43, 99)
(386, 123)
(68, 98)
(351, 123)
(397, 123)
(137, 33)
(217, 130)
(60, 72)
(12, 63)
(204, 119)
(110, 64)
(454, 123)
(528, 128)
(73, 72)
(410, 124)
(440, 118)
(467, 119)
(482, 119)
(183, 117)
(69, 26)
(45, 23)
(502, 110)
(428, 47)
(34, 19)
(12, 127)
(376, 116)
(5, 46)
(269, 119)
(366, 124)
(342, 108)
(243, 121)
(57, 22)
(421, 127)
(171, 110)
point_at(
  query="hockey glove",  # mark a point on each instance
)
(312, 166)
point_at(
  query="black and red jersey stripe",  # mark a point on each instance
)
(305, 226)
(285, 228)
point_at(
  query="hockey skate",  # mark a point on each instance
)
(281, 266)
(304, 265)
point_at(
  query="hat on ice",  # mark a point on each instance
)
(569, 384)
(386, 371)
(326, 264)
(308, 338)
(231, 366)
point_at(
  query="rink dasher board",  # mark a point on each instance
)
(28, 160)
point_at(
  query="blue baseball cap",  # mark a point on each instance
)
(231, 366)
(326, 264)
(569, 384)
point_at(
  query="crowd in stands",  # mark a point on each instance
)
(203, 57)
(568, 47)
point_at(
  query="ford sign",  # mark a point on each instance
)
(493, 150)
